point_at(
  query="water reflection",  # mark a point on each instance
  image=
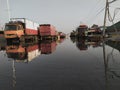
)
(22, 53)
(111, 57)
(73, 39)
(26, 52)
(97, 68)
(114, 44)
(2, 43)
(83, 44)
(48, 46)
(112, 64)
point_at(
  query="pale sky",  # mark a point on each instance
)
(65, 15)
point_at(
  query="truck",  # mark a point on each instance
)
(21, 29)
(47, 31)
(80, 31)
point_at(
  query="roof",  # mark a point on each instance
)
(112, 27)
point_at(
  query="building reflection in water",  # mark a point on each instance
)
(111, 53)
(112, 64)
(73, 39)
(83, 44)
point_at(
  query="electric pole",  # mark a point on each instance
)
(105, 16)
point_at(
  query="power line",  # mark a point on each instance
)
(115, 12)
(98, 13)
(110, 17)
(94, 9)
(112, 1)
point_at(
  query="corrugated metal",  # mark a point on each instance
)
(47, 29)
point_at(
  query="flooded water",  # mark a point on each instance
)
(68, 64)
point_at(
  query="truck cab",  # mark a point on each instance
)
(13, 30)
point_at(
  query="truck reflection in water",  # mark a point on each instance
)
(22, 53)
(2, 46)
(48, 46)
(26, 52)
(84, 43)
(2, 41)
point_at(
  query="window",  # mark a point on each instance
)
(10, 27)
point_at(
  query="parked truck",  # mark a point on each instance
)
(47, 31)
(21, 29)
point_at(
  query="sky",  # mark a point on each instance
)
(65, 15)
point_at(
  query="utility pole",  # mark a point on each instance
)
(105, 16)
(8, 9)
(104, 52)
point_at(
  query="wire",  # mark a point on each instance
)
(110, 17)
(115, 12)
(94, 9)
(102, 9)
(95, 16)
(112, 1)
